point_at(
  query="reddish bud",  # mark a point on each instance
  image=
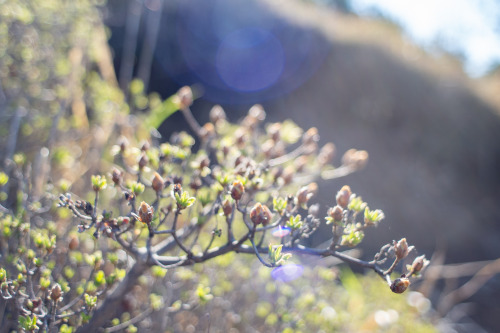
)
(260, 214)
(337, 213)
(116, 176)
(401, 249)
(73, 242)
(227, 208)
(237, 190)
(56, 292)
(145, 213)
(399, 285)
(343, 196)
(158, 184)
(418, 264)
(143, 161)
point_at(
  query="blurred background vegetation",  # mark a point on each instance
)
(432, 132)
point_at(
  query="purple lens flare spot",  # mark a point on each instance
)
(281, 232)
(287, 273)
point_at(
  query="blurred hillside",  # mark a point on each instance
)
(432, 133)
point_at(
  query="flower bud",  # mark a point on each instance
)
(418, 264)
(73, 242)
(401, 249)
(260, 214)
(305, 193)
(217, 114)
(116, 176)
(326, 154)
(343, 196)
(143, 161)
(399, 285)
(310, 136)
(56, 292)
(145, 213)
(184, 97)
(237, 190)
(257, 112)
(300, 163)
(158, 184)
(227, 208)
(274, 131)
(287, 175)
(207, 131)
(145, 146)
(122, 143)
(355, 158)
(336, 213)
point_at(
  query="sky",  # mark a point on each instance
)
(469, 28)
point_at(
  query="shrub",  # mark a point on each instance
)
(233, 188)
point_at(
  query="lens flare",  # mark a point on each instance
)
(281, 232)
(287, 273)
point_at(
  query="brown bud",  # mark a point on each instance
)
(260, 214)
(227, 208)
(122, 143)
(418, 264)
(184, 97)
(287, 175)
(207, 131)
(305, 193)
(310, 136)
(217, 114)
(274, 131)
(145, 213)
(56, 292)
(143, 161)
(267, 148)
(195, 183)
(257, 112)
(300, 162)
(401, 249)
(240, 138)
(337, 213)
(399, 285)
(326, 154)
(145, 146)
(237, 190)
(158, 184)
(73, 242)
(355, 158)
(116, 176)
(343, 196)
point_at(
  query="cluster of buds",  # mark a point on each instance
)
(260, 214)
